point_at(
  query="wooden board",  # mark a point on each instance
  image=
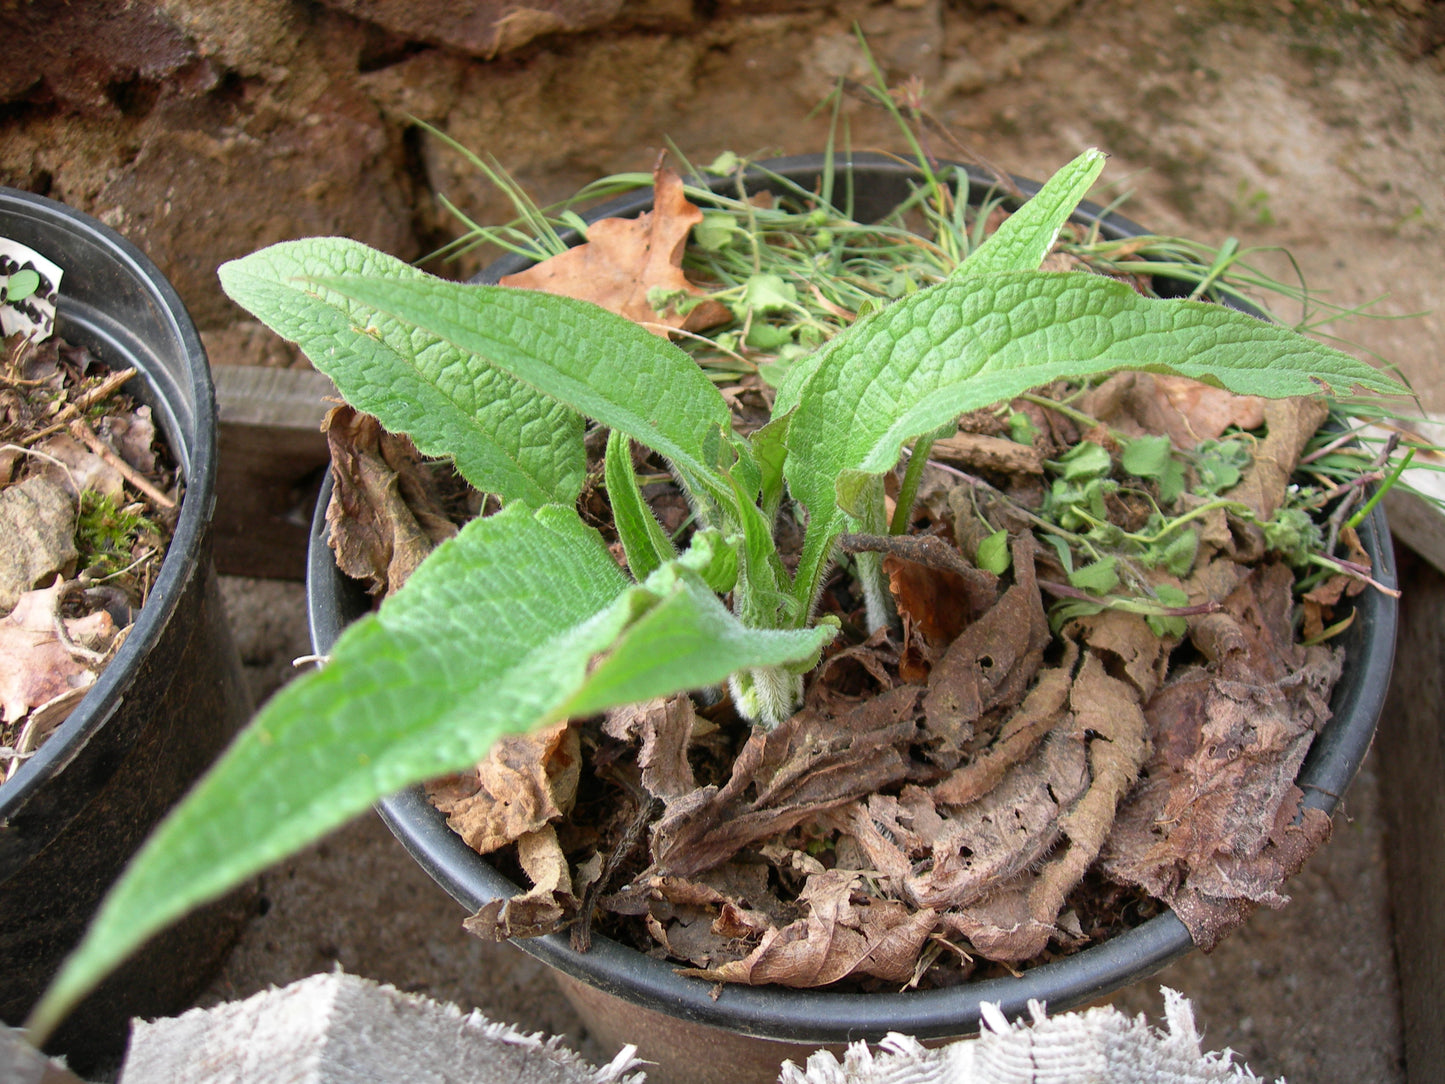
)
(1411, 748)
(272, 458)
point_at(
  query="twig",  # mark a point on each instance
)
(82, 431)
(104, 390)
(1348, 501)
(927, 550)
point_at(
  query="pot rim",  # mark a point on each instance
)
(184, 408)
(821, 1016)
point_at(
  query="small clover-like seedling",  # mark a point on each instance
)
(524, 618)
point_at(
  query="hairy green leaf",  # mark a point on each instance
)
(600, 364)
(1024, 238)
(519, 621)
(643, 539)
(505, 437)
(974, 341)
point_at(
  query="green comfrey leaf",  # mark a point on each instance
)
(770, 449)
(974, 341)
(595, 362)
(521, 620)
(504, 437)
(643, 540)
(714, 558)
(1024, 238)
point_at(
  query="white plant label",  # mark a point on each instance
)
(34, 313)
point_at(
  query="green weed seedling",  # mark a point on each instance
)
(524, 618)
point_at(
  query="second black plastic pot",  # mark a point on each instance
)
(626, 996)
(162, 710)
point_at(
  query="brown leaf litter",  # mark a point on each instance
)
(79, 460)
(971, 786)
(950, 793)
(626, 259)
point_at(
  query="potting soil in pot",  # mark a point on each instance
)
(87, 508)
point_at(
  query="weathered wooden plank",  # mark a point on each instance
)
(1411, 748)
(341, 1029)
(272, 457)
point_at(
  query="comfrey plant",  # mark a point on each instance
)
(524, 618)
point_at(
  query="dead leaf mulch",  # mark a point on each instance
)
(972, 791)
(88, 501)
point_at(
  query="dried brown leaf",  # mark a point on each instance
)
(1040, 712)
(937, 590)
(526, 781)
(35, 666)
(1217, 826)
(544, 907)
(990, 665)
(813, 762)
(77, 468)
(952, 858)
(839, 937)
(1182, 409)
(1291, 423)
(384, 518)
(626, 258)
(664, 728)
(1107, 709)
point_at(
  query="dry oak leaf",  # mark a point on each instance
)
(35, 667)
(625, 259)
(526, 781)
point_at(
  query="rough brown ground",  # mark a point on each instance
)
(220, 125)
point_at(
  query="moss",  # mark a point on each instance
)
(108, 535)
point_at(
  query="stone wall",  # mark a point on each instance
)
(203, 129)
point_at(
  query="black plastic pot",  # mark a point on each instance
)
(623, 994)
(163, 709)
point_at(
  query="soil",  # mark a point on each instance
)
(1311, 124)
